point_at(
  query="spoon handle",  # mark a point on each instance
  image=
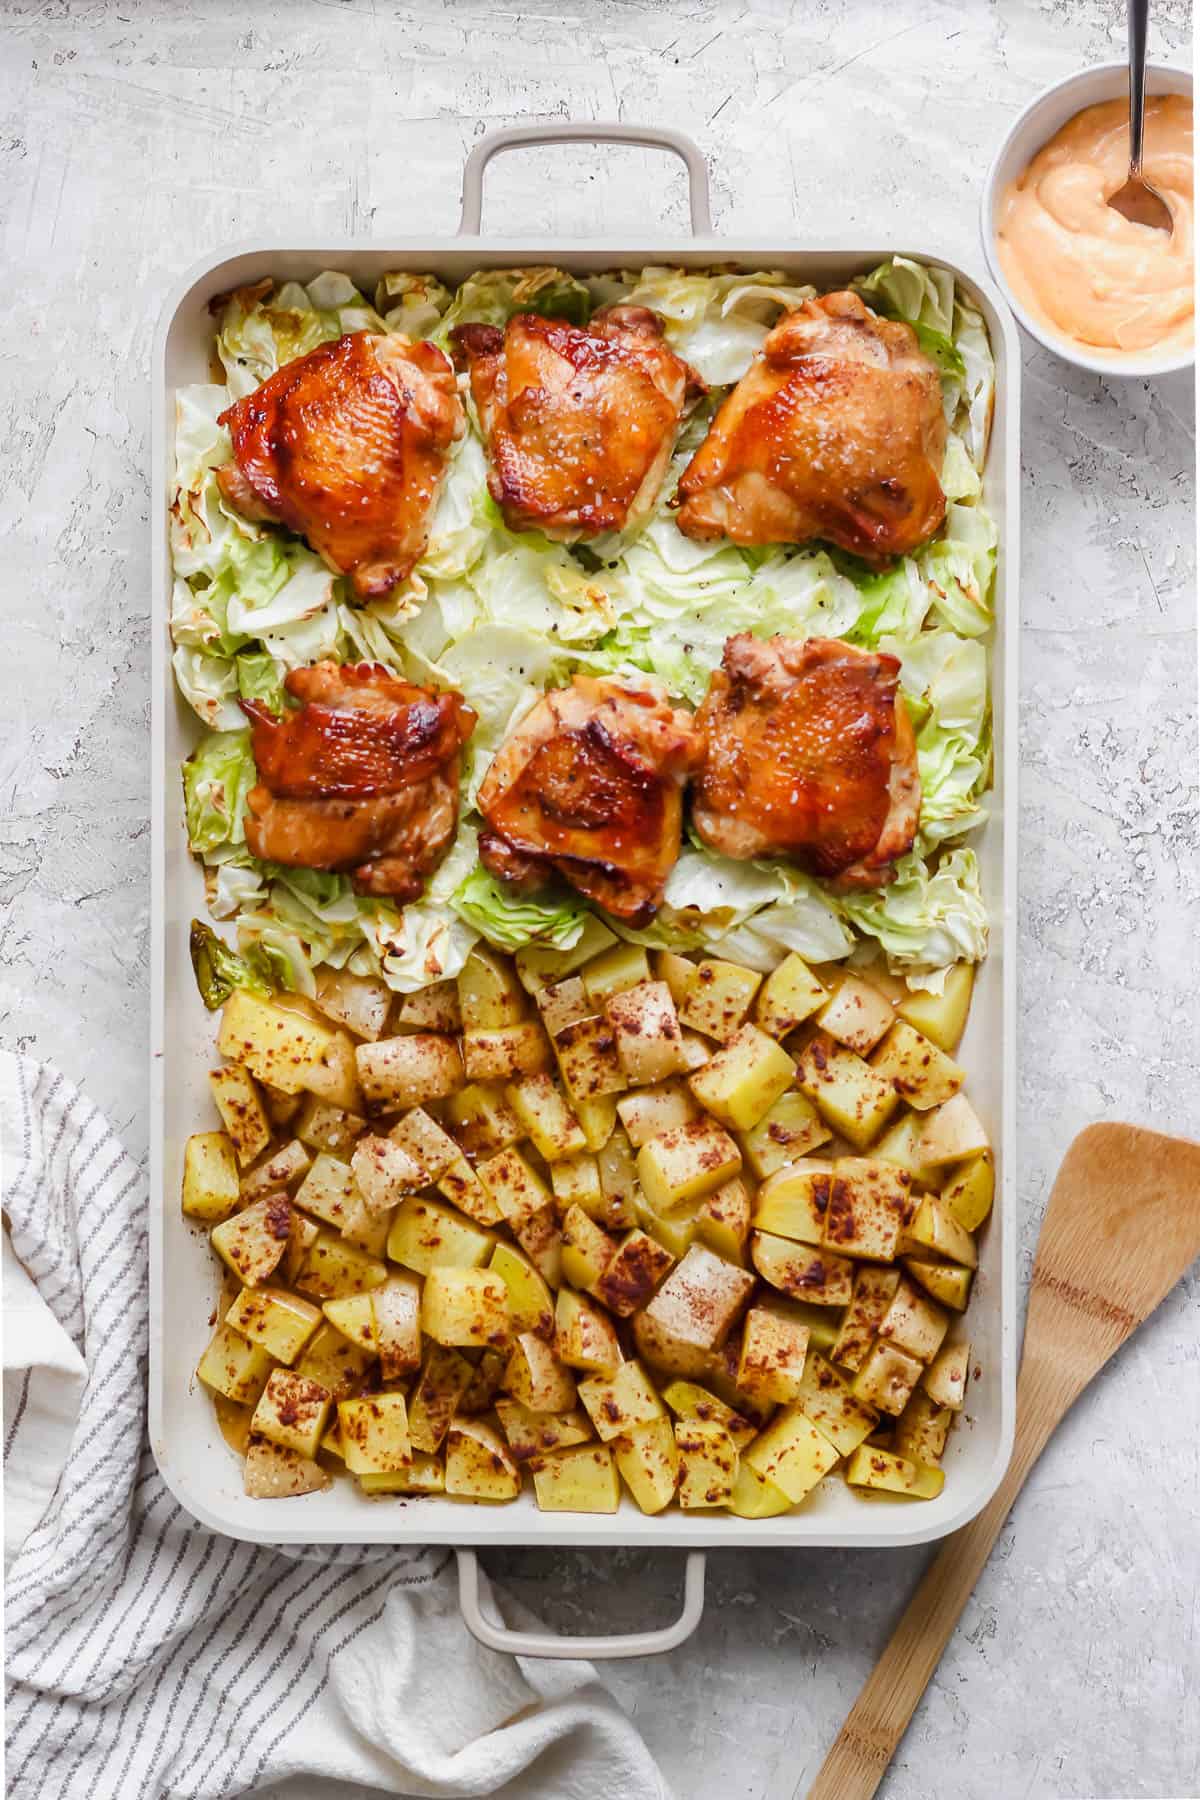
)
(1139, 12)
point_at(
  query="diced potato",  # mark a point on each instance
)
(433, 1008)
(898, 1145)
(210, 1177)
(373, 1431)
(541, 1240)
(597, 1117)
(723, 1220)
(485, 1382)
(333, 1361)
(302, 1235)
(464, 1306)
(273, 1473)
(538, 965)
(507, 1053)
(874, 1290)
(744, 1079)
(708, 1461)
(646, 1029)
(252, 1243)
(914, 1323)
(887, 1379)
(489, 994)
(277, 1321)
(949, 1283)
(536, 1377)
(564, 1003)
(945, 1380)
(282, 1169)
(292, 1411)
(576, 1182)
(675, 1234)
(828, 1403)
(942, 1016)
(359, 1002)
(688, 1400)
(653, 1110)
(920, 1073)
(618, 1169)
(546, 1118)
(329, 1192)
(856, 1015)
(517, 1190)
(870, 1205)
(430, 1149)
(424, 1475)
(335, 1080)
(648, 1459)
(385, 1173)
(802, 1271)
(397, 1310)
(530, 1302)
(846, 1091)
(793, 1202)
(791, 1454)
(718, 998)
(789, 995)
(478, 1465)
(968, 1194)
(632, 1274)
(482, 1120)
(334, 1267)
(685, 1163)
(445, 1378)
(425, 1233)
(586, 1250)
(720, 1374)
(587, 1060)
(321, 1126)
(242, 1111)
(275, 1044)
(579, 1480)
(754, 1497)
(233, 1366)
(532, 1435)
(771, 1365)
(935, 1229)
(401, 1072)
(676, 971)
(951, 1133)
(692, 1312)
(368, 1230)
(460, 1184)
(281, 1108)
(787, 1131)
(871, 1467)
(618, 1403)
(619, 967)
(696, 1050)
(583, 1337)
(922, 1429)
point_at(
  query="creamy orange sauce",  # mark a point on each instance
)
(1079, 268)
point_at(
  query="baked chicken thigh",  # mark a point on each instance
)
(836, 431)
(348, 446)
(810, 755)
(590, 787)
(362, 777)
(580, 422)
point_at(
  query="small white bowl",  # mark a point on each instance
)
(1035, 127)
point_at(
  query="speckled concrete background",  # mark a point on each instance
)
(133, 139)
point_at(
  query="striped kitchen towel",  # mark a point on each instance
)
(148, 1657)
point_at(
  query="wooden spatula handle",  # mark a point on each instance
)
(879, 1718)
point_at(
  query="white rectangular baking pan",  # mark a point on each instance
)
(185, 1438)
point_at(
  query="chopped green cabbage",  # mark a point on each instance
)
(217, 776)
(716, 322)
(510, 920)
(493, 296)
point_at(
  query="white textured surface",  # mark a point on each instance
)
(133, 139)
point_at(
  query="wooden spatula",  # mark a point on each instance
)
(1122, 1226)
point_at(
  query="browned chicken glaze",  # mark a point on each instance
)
(580, 423)
(348, 446)
(590, 787)
(362, 777)
(836, 431)
(810, 755)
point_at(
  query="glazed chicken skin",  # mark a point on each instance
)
(590, 787)
(347, 446)
(580, 422)
(362, 777)
(836, 431)
(810, 755)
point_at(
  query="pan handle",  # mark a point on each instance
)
(543, 1643)
(651, 136)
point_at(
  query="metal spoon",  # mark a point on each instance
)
(1137, 201)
